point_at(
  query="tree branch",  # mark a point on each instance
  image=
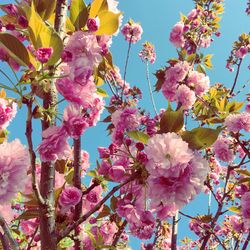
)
(236, 77)
(7, 232)
(94, 209)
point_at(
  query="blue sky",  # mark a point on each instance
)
(157, 18)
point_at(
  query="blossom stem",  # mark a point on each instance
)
(119, 233)
(174, 232)
(7, 233)
(77, 184)
(126, 66)
(150, 88)
(95, 208)
(246, 242)
(236, 77)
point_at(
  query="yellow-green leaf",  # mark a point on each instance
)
(201, 138)
(42, 35)
(95, 8)
(139, 136)
(78, 13)
(172, 121)
(45, 8)
(102, 92)
(15, 49)
(208, 62)
(234, 209)
(109, 23)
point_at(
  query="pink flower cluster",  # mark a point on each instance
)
(132, 31)
(245, 209)
(237, 122)
(8, 111)
(147, 54)
(176, 35)
(13, 169)
(43, 54)
(124, 120)
(176, 173)
(182, 84)
(222, 149)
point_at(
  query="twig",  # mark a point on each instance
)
(150, 89)
(119, 233)
(174, 232)
(8, 234)
(236, 77)
(31, 240)
(28, 134)
(94, 209)
(246, 242)
(126, 66)
(77, 184)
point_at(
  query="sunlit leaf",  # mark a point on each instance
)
(139, 136)
(78, 13)
(201, 138)
(45, 8)
(109, 23)
(95, 8)
(15, 49)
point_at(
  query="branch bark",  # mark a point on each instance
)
(7, 233)
(77, 184)
(47, 183)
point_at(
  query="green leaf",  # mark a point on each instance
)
(243, 172)
(109, 23)
(200, 68)
(234, 209)
(69, 176)
(201, 138)
(139, 136)
(171, 121)
(78, 13)
(42, 35)
(15, 49)
(45, 8)
(102, 92)
(66, 243)
(3, 136)
(191, 58)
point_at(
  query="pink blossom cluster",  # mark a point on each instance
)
(127, 119)
(8, 111)
(177, 173)
(181, 84)
(132, 31)
(222, 149)
(237, 122)
(147, 54)
(245, 209)
(13, 169)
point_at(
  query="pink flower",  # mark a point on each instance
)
(236, 122)
(7, 112)
(29, 226)
(177, 73)
(69, 197)
(241, 52)
(142, 225)
(54, 145)
(93, 24)
(245, 209)
(11, 9)
(222, 149)
(74, 122)
(13, 169)
(132, 31)
(185, 96)
(43, 54)
(168, 155)
(176, 35)
(148, 53)
(171, 193)
(199, 82)
(248, 108)
(117, 173)
(7, 212)
(22, 21)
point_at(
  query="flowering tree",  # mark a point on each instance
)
(51, 198)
